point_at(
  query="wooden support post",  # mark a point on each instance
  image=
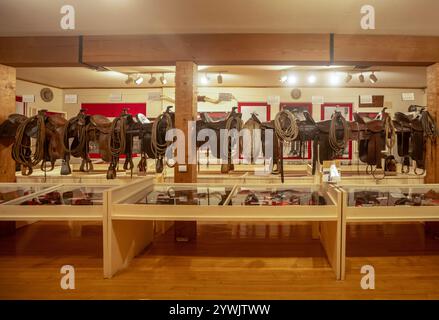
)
(186, 78)
(7, 106)
(432, 160)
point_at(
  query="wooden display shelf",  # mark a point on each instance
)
(382, 214)
(130, 226)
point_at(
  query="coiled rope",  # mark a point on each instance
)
(22, 152)
(290, 133)
(159, 149)
(338, 145)
(117, 141)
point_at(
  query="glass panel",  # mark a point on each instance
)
(185, 195)
(11, 192)
(393, 196)
(70, 195)
(279, 196)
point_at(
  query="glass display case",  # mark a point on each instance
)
(71, 195)
(279, 196)
(185, 195)
(60, 202)
(12, 191)
(383, 196)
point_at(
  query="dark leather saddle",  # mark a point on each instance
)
(371, 140)
(332, 138)
(412, 132)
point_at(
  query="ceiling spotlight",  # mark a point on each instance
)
(334, 79)
(219, 79)
(348, 78)
(361, 78)
(163, 79)
(312, 79)
(152, 79)
(129, 80)
(373, 78)
(139, 80)
(283, 78)
(204, 79)
(292, 79)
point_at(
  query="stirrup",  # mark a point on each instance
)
(380, 178)
(416, 171)
(407, 171)
(128, 164)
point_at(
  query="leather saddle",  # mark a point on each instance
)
(331, 139)
(371, 140)
(413, 130)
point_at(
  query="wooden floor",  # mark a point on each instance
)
(228, 261)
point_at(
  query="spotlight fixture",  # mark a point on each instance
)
(292, 79)
(219, 79)
(334, 79)
(163, 79)
(139, 80)
(129, 80)
(348, 78)
(373, 78)
(152, 79)
(204, 79)
(312, 79)
(361, 78)
(283, 78)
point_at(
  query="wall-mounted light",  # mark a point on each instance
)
(152, 79)
(348, 78)
(312, 79)
(361, 78)
(219, 79)
(163, 79)
(373, 78)
(283, 78)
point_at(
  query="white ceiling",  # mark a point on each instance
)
(233, 76)
(42, 17)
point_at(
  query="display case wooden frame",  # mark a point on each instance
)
(13, 211)
(382, 214)
(130, 226)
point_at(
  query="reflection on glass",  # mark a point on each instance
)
(8, 193)
(175, 195)
(373, 197)
(263, 196)
(69, 195)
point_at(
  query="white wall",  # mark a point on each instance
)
(26, 88)
(154, 108)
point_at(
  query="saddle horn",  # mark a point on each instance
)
(168, 109)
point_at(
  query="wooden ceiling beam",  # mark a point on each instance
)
(385, 50)
(208, 49)
(40, 51)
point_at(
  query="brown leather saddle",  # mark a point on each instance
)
(48, 131)
(232, 121)
(371, 141)
(122, 131)
(331, 140)
(412, 132)
(82, 130)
